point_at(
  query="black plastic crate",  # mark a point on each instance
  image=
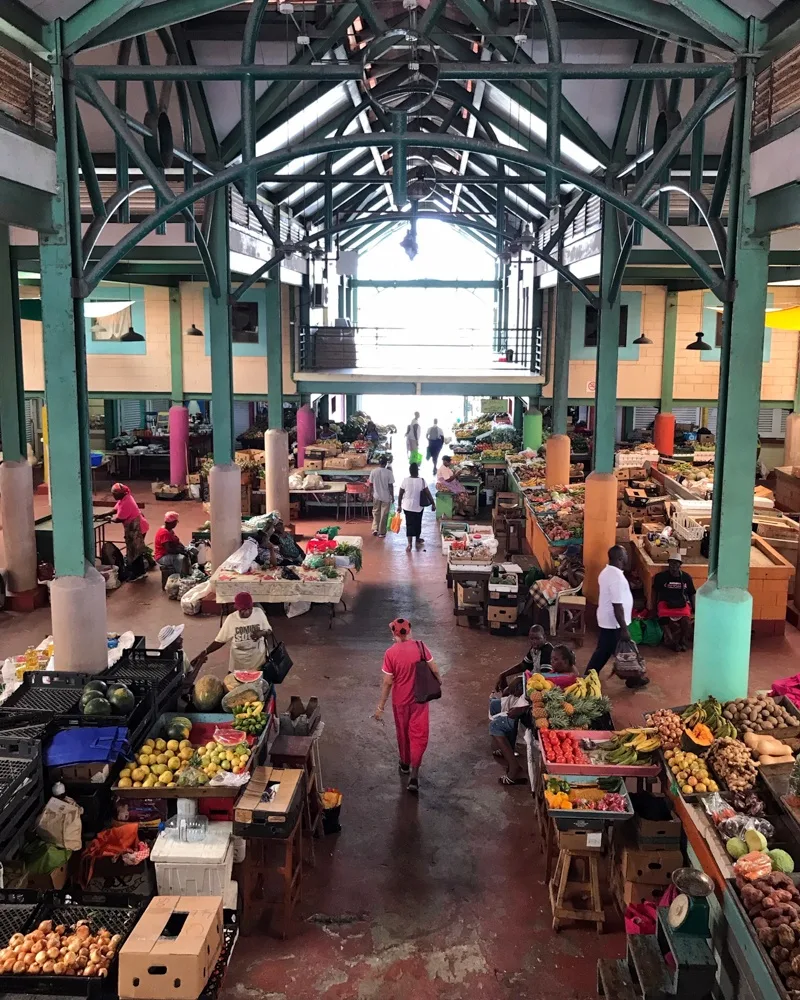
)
(20, 764)
(138, 722)
(118, 913)
(48, 691)
(163, 669)
(26, 725)
(21, 817)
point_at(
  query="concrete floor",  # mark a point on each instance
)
(437, 897)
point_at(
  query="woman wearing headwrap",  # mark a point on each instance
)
(246, 630)
(135, 526)
(411, 719)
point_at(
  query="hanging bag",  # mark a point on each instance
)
(425, 498)
(426, 683)
(628, 662)
(278, 663)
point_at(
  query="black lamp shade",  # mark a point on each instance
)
(643, 340)
(194, 332)
(699, 344)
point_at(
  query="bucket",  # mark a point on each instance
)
(194, 491)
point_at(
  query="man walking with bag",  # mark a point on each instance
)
(382, 482)
(614, 608)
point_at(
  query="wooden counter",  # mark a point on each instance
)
(769, 582)
(787, 489)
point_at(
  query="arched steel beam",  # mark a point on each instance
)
(404, 217)
(700, 202)
(251, 29)
(524, 158)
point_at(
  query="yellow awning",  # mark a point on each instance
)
(783, 319)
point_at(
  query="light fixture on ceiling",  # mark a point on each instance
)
(641, 339)
(409, 243)
(194, 332)
(131, 334)
(699, 344)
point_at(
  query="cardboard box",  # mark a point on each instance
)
(496, 613)
(251, 809)
(580, 840)
(469, 595)
(638, 892)
(340, 462)
(172, 950)
(313, 464)
(650, 866)
(80, 773)
(661, 833)
(359, 461)
(56, 879)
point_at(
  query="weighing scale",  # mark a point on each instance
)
(688, 912)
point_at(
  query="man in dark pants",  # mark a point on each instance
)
(614, 608)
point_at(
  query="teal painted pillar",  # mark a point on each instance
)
(219, 317)
(668, 357)
(532, 429)
(519, 413)
(721, 657)
(350, 405)
(77, 595)
(176, 346)
(563, 331)
(607, 349)
(274, 355)
(110, 421)
(12, 386)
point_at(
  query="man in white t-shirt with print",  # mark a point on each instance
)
(246, 630)
(614, 609)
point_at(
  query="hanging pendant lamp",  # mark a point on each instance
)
(699, 344)
(194, 332)
(641, 339)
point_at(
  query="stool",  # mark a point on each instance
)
(299, 752)
(571, 623)
(561, 886)
(263, 883)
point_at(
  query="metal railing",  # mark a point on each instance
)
(402, 350)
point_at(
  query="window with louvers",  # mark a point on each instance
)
(26, 93)
(777, 92)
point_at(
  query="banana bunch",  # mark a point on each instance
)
(631, 746)
(586, 687)
(709, 712)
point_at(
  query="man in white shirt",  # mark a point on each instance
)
(412, 435)
(246, 630)
(435, 436)
(382, 482)
(614, 609)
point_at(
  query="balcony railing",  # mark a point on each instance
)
(26, 94)
(455, 351)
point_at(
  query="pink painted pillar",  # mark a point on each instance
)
(306, 431)
(178, 445)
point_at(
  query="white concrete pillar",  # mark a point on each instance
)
(791, 443)
(16, 508)
(276, 472)
(78, 613)
(225, 486)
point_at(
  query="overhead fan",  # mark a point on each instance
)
(421, 179)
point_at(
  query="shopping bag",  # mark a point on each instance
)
(416, 457)
(628, 662)
(396, 523)
(426, 683)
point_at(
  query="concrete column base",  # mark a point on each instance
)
(532, 430)
(721, 655)
(225, 486)
(599, 529)
(78, 613)
(557, 450)
(16, 509)
(276, 472)
(791, 443)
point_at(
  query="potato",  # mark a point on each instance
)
(786, 936)
(768, 936)
(796, 965)
(785, 969)
(760, 922)
(779, 954)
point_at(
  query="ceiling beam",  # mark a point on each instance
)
(91, 20)
(159, 15)
(22, 26)
(717, 17)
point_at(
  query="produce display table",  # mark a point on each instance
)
(769, 581)
(353, 474)
(43, 531)
(267, 591)
(331, 495)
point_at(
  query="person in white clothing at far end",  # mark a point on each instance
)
(614, 610)
(435, 436)
(382, 482)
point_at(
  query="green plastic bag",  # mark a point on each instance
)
(646, 632)
(635, 631)
(416, 457)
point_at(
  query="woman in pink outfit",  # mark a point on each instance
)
(411, 719)
(135, 526)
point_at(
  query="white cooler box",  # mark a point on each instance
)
(201, 869)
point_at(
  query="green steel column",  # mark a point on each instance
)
(219, 317)
(721, 657)
(110, 422)
(274, 355)
(605, 396)
(518, 413)
(176, 346)
(63, 344)
(350, 405)
(563, 331)
(668, 357)
(340, 303)
(12, 386)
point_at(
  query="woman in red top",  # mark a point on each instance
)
(410, 717)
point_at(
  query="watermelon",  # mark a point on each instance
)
(99, 686)
(247, 676)
(177, 731)
(207, 693)
(97, 706)
(121, 699)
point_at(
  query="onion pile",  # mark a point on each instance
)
(55, 950)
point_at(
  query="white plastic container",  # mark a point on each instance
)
(194, 869)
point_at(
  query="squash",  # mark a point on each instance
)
(767, 759)
(698, 739)
(766, 745)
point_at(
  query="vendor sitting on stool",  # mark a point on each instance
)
(506, 708)
(169, 553)
(673, 598)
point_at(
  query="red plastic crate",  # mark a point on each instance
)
(217, 810)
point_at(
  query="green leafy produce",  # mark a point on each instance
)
(736, 847)
(781, 861)
(353, 552)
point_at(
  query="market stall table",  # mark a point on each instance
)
(265, 590)
(769, 581)
(329, 495)
(43, 530)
